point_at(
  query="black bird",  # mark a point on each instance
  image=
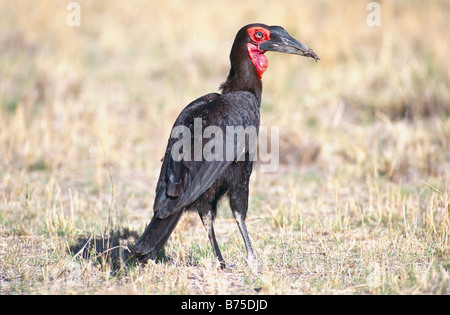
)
(189, 182)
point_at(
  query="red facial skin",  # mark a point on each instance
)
(259, 60)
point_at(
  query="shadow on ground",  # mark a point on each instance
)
(113, 249)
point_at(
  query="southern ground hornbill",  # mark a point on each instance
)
(197, 183)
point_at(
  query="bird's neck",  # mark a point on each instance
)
(243, 75)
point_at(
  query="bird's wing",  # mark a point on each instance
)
(182, 182)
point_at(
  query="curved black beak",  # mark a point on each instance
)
(281, 41)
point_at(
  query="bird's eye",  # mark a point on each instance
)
(259, 35)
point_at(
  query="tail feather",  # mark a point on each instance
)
(156, 235)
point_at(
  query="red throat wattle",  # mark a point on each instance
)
(258, 58)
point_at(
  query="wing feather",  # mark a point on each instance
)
(182, 182)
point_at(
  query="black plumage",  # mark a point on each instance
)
(197, 184)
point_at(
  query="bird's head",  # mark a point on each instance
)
(260, 38)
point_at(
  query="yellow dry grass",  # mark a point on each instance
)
(360, 203)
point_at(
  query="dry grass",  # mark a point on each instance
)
(360, 203)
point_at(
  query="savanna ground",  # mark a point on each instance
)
(359, 204)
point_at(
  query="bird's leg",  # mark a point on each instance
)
(251, 257)
(207, 220)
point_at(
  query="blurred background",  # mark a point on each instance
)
(86, 111)
(122, 76)
(76, 100)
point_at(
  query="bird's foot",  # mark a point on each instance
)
(252, 262)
